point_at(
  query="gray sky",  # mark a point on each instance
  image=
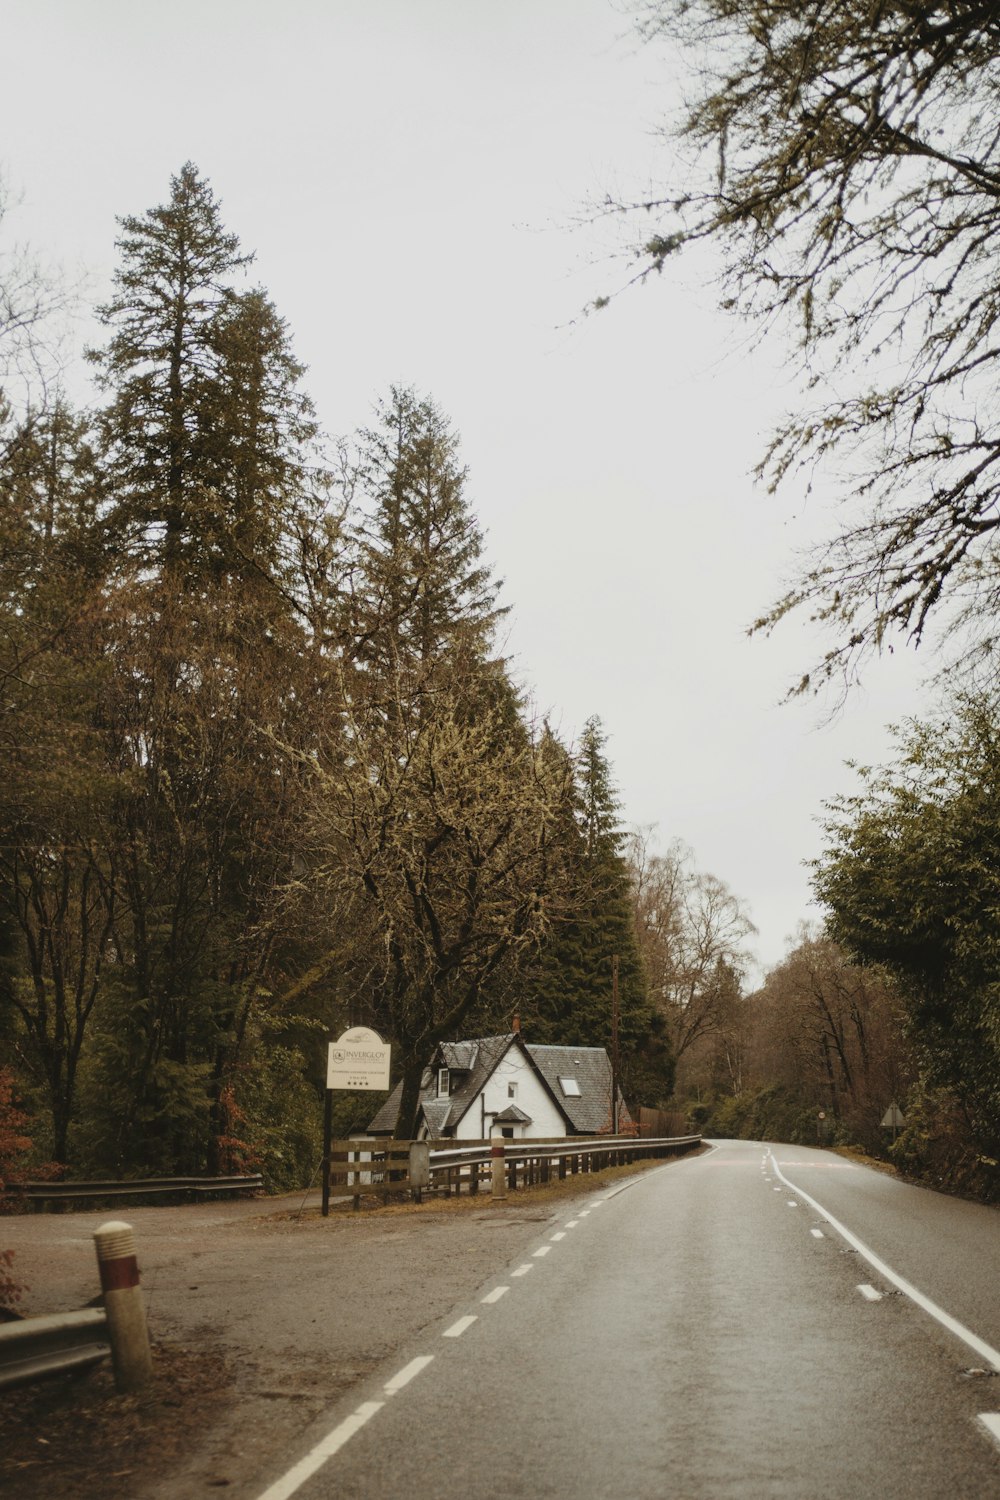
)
(412, 174)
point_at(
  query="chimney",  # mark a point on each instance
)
(515, 1024)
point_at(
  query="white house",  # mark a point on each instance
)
(502, 1085)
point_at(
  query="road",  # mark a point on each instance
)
(703, 1332)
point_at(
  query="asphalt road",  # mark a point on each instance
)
(703, 1332)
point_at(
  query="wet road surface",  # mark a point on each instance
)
(754, 1322)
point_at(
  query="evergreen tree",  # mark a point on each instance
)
(426, 594)
(161, 365)
(571, 985)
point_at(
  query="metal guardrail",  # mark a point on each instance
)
(40, 1193)
(533, 1161)
(37, 1348)
(381, 1166)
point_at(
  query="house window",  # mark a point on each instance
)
(512, 1091)
(444, 1083)
(570, 1088)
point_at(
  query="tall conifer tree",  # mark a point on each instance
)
(571, 986)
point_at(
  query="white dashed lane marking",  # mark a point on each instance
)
(496, 1294)
(407, 1373)
(979, 1346)
(457, 1329)
(991, 1421)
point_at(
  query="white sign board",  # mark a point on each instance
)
(358, 1060)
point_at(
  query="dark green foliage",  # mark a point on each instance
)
(262, 772)
(426, 597)
(769, 1114)
(911, 881)
(570, 986)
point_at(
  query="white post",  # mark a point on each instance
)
(115, 1244)
(498, 1170)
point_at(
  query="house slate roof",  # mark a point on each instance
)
(471, 1064)
(591, 1067)
(512, 1116)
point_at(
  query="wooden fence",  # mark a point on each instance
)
(361, 1168)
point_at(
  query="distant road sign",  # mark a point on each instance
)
(893, 1117)
(358, 1060)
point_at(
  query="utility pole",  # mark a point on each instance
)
(614, 1045)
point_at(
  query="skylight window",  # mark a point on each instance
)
(570, 1088)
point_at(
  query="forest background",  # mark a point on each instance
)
(267, 771)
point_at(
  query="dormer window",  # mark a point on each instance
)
(444, 1083)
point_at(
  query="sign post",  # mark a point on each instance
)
(893, 1119)
(357, 1061)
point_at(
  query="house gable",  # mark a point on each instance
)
(504, 1083)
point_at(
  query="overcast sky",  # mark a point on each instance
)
(413, 176)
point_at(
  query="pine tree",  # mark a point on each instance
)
(426, 593)
(571, 986)
(173, 285)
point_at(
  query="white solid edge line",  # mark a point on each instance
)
(496, 1294)
(991, 1421)
(975, 1343)
(324, 1450)
(645, 1176)
(457, 1329)
(406, 1374)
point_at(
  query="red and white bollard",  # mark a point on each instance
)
(498, 1170)
(115, 1244)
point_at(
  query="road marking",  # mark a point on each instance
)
(560, 1234)
(496, 1294)
(817, 1234)
(777, 1190)
(792, 1203)
(542, 1250)
(572, 1223)
(869, 1293)
(407, 1373)
(979, 1346)
(583, 1213)
(324, 1450)
(522, 1270)
(991, 1421)
(457, 1329)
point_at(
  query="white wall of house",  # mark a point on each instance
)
(529, 1095)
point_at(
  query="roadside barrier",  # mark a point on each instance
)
(34, 1349)
(361, 1167)
(41, 1193)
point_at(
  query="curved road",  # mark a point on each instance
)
(753, 1322)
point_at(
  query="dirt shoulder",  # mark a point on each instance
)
(261, 1316)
